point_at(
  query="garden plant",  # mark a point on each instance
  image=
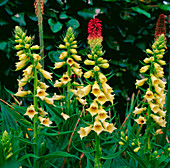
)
(66, 111)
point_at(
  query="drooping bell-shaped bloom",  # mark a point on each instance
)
(95, 33)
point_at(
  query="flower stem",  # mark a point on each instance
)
(98, 153)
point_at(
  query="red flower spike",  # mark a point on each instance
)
(160, 26)
(95, 32)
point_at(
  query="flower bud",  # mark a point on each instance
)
(18, 47)
(27, 46)
(156, 51)
(74, 51)
(105, 65)
(67, 44)
(136, 149)
(88, 74)
(149, 51)
(62, 46)
(133, 144)
(35, 47)
(121, 143)
(89, 62)
(96, 68)
(89, 56)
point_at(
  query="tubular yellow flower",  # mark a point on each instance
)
(31, 111)
(76, 65)
(109, 127)
(20, 65)
(96, 68)
(110, 97)
(86, 90)
(144, 68)
(155, 81)
(20, 52)
(42, 112)
(139, 110)
(27, 46)
(43, 85)
(102, 115)
(77, 71)
(149, 51)
(41, 93)
(148, 60)
(96, 89)
(159, 90)
(36, 57)
(65, 116)
(136, 149)
(23, 57)
(19, 46)
(105, 65)
(97, 127)
(74, 51)
(141, 120)
(141, 82)
(93, 109)
(101, 98)
(161, 62)
(28, 70)
(58, 97)
(45, 121)
(121, 143)
(159, 120)
(88, 74)
(154, 107)
(21, 93)
(84, 131)
(70, 61)
(49, 100)
(102, 78)
(58, 65)
(65, 79)
(62, 46)
(77, 57)
(82, 101)
(149, 95)
(106, 88)
(63, 55)
(58, 84)
(46, 74)
(35, 47)
(38, 66)
(23, 81)
(162, 113)
(89, 62)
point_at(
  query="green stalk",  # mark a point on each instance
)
(68, 84)
(40, 26)
(35, 138)
(98, 153)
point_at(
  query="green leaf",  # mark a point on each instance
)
(57, 154)
(3, 22)
(56, 134)
(63, 16)
(3, 44)
(55, 26)
(27, 156)
(54, 56)
(164, 7)
(2, 158)
(141, 11)
(19, 18)
(25, 141)
(3, 2)
(73, 23)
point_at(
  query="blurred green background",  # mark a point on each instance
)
(128, 29)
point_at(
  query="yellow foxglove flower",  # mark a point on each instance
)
(62, 46)
(58, 65)
(159, 73)
(161, 83)
(19, 46)
(58, 84)
(84, 131)
(82, 101)
(23, 57)
(65, 116)
(121, 143)
(63, 55)
(88, 74)
(102, 115)
(110, 97)
(76, 65)
(98, 128)
(141, 120)
(157, 66)
(154, 107)
(38, 66)
(58, 97)
(20, 52)
(31, 111)
(70, 61)
(86, 90)
(65, 79)
(155, 81)
(20, 65)
(96, 68)
(162, 113)
(136, 149)
(23, 81)
(42, 112)
(21, 93)
(161, 62)
(159, 131)
(74, 51)
(149, 95)
(159, 90)
(149, 51)
(109, 127)
(144, 68)
(49, 100)
(77, 71)
(46, 74)
(77, 57)
(27, 46)
(93, 109)
(45, 121)
(41, 93)
(43, 85)
(159, 120)
(36, 57)
(28, 70)
(105, 65)
(89, 62)
(101, 98)
(148, 60)
(139, 110)
(106, 88)
(102, 78)
(96, 89)
(141, 82)
(35, 47)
